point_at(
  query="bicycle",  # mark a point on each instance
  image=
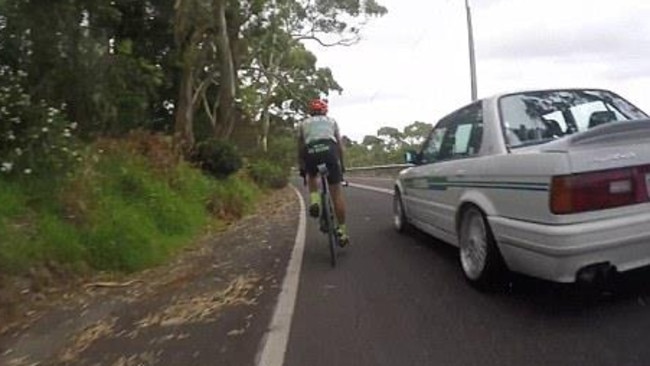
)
(328, 222)
(327, 218)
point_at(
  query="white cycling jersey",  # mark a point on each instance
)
(316, 128)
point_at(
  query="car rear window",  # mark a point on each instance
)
(536, 117)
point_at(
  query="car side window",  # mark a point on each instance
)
(431, 147)
(464, 135)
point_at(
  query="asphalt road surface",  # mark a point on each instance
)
(402, 300)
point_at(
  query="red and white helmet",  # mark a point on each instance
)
(318, 107)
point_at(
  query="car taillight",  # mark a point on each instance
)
(598, 190)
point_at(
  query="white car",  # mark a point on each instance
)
(553, 184)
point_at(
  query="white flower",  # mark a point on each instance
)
(73, 125)
(44, 129)
(27, 171)
(66, 133)
(18, 151)
(6, 166)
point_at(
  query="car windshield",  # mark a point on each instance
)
(531, 118)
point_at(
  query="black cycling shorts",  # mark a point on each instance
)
(324, 152)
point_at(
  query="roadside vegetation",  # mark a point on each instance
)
(388, 146)
(129, 128)
(127, 205)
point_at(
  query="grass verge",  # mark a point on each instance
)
(124, 209)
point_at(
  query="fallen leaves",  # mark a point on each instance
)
(203, 308)
(87, 337)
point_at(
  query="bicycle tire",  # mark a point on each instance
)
(329, 222)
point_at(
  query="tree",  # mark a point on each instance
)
(415, 133)
(189, 67)
(82, 54)
(393, 138)
(280, 69)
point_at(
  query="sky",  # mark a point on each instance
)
(413, 63)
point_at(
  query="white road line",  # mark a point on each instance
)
(374, 178)
(274, 344)
(370, 188)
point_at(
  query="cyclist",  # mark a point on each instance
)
(319, 142)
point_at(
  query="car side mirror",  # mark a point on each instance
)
(411, 157)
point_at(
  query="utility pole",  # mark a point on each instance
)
(472, 59)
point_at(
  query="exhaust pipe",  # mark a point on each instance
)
(597, 273)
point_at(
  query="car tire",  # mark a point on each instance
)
(480, 258)
(400, 221)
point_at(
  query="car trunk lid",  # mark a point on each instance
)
(610, 146)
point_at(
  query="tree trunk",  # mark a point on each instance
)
(184, 118)
(228, 82)
(266, 126)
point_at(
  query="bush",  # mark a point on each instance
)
(268, 174)
(219, 158)
(232, 198)
(35, 137)
(116, 211)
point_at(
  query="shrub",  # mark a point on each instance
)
(232, 198)
(219, 158)
(35, 137)
(269, 174)
(157, 148)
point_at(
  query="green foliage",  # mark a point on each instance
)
(281, 150)
(14, 250)
(233, 198)
(117, 211)
(269, 174)
(220, 158)
(35, 138)
(388, 147)
(12, 198)
(109, 61)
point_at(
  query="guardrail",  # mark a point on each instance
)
(388, 171)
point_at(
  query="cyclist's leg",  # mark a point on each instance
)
(339, 202)
(311, 167)
(314, 195)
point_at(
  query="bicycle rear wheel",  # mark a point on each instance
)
(328, 214)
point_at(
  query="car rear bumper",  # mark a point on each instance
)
(558, 252)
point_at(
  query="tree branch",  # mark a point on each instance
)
(347, 42)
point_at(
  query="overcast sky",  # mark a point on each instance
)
(413, 63)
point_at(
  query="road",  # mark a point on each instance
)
(401, 300)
